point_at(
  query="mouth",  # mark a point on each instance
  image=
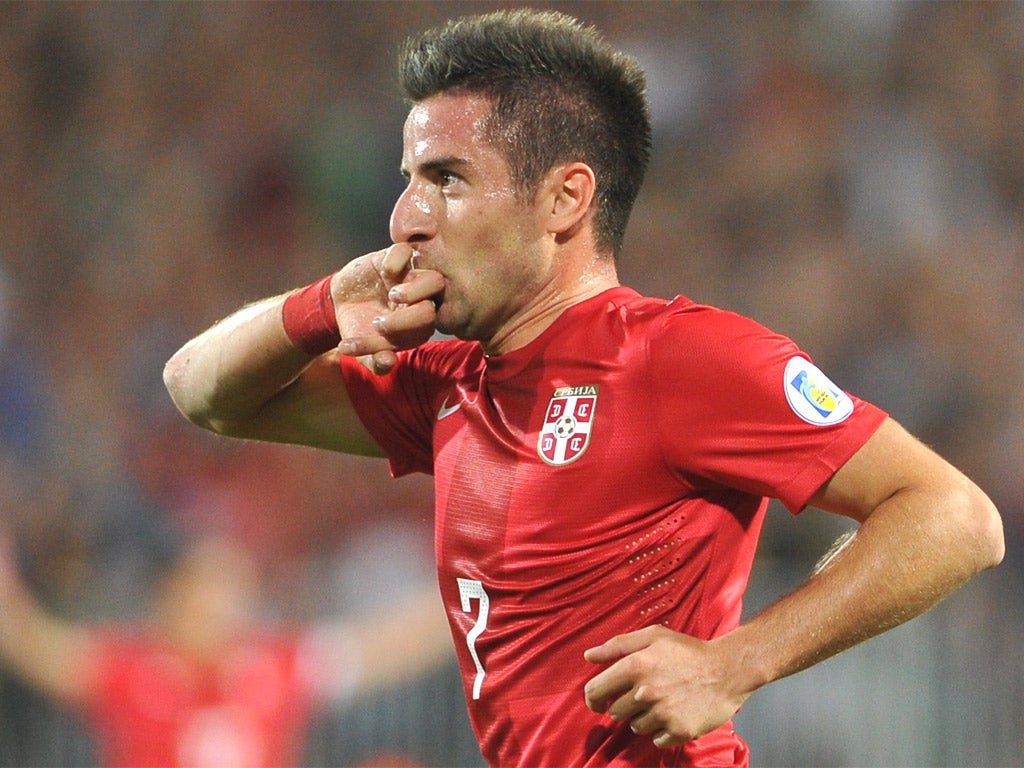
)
(438, 299)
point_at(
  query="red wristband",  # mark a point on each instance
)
(309, 319)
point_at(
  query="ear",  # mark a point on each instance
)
(572, 189)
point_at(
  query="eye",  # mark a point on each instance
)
(446, 178)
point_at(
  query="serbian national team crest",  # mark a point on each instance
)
(567, 424)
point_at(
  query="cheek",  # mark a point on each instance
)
(498, 228)
(488, 247)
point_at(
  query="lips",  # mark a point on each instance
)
(439, 297)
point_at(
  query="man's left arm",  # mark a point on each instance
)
(926, 529)
(398, 643)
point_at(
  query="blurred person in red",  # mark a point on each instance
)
(201, 684)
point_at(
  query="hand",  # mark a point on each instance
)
(384, 304)
(664, 683)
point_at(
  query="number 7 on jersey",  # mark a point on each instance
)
(469, 590)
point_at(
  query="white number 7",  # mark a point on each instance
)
(470, 589)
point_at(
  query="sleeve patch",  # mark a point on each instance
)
(812, 395)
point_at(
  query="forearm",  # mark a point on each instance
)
(914, 550)
(925, 530)
(44, 651)
(222, 378)
(401, 642)
(410, 640)
(270, 372)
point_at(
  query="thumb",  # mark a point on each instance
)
(620, 646)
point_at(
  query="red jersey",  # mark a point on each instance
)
(610, 475)
(155, 708)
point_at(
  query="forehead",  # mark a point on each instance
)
(445, 125)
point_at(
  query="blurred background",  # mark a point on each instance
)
(850, 174)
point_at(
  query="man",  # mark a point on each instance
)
(601, 460)
(200, 684)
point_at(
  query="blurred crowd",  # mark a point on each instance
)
(850, 174)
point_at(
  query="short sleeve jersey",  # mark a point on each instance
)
(152, 706)
(610, 475)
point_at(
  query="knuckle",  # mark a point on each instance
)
(632, 665)
(646, 694)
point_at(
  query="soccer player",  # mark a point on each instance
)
(201, 684)
(601, 459)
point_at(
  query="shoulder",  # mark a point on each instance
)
(721, 357)
(683, 331)
(713, 335)
(682, 315)
(679, 314)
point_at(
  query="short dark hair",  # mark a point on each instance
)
(559, 94)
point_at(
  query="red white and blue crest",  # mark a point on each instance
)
(568, 421)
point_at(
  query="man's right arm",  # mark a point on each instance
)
(246, 377)
(50, 654)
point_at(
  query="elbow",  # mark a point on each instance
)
(983, 527)
(182, 390)
(996, 544)
(201, 399)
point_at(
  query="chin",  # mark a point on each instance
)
(445, 323)
(450, 324)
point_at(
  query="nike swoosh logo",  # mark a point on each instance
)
(447, 410)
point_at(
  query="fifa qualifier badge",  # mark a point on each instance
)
(813, 396)
(568, 420)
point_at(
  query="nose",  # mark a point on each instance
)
(411, 218)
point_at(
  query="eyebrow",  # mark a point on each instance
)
(437, 164)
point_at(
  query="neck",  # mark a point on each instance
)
(537, 315)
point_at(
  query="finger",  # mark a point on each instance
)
(644, 720)
(403, 328)
(664, 740)
(396, 260)
(626, 708)
(418, 285)
(364, 344)
(379, 362)
(603, 691)
(382, 362)
(620, 646)
(408, 325)
(406, 317)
